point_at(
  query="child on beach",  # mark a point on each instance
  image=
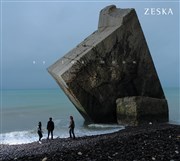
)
(71, 127)
(39, 131)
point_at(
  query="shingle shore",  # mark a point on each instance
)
(159, 142)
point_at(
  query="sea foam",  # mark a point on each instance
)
(23, 137)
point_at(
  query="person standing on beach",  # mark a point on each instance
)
(50, 128)
(71, 127)
(39, 131)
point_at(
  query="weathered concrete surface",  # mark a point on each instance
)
(138, 110)
(113, 62)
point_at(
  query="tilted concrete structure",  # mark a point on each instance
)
(111, 64)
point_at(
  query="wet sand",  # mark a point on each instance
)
(160, 142)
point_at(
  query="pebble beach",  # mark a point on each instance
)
(159, 142)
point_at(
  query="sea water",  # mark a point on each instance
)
(22, 110)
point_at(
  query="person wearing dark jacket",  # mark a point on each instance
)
(71, 127)
(39, 131)
(50, 128)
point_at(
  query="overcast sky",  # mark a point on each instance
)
(42, 32)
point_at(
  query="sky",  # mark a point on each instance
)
(36, 34)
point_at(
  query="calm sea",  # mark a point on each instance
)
(22, 110)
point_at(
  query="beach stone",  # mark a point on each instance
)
(44, 159)
(113, 62)
(177, 152)
(79, 153)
